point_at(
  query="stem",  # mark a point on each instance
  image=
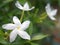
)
(22, 16)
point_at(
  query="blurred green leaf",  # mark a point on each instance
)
(22, 1)
(59, 2)
(43, 16)
(34, 44)
(31, 29)
(5, 2)
(39, 36)
(2, 40)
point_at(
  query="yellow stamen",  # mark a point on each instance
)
(18, 27)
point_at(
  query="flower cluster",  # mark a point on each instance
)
(18, 28)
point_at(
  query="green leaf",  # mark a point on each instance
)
(5, 2)
(59, 2)
(2, 40)
(39, 36)
(22, 1)
(31, 29)
(34, 44)
(43, 16)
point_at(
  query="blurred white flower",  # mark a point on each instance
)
(25, 7)
(17, 28)
(51, 12)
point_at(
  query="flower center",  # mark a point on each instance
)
(18, 27)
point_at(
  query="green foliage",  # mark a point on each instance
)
(59, 2)
(34, 44)
(39, 36)
(2, 39)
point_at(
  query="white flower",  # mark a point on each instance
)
(17, 28)
(51, 12)
(25, 7)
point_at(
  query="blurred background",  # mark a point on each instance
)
(40, 22)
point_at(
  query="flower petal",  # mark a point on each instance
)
(18, 5)
(32, 8)
(9, 26)
(26, 6)
(29, 9)
(53, 12)
(16, 20)
(52, 18)
(48, 9)
(13, 35)
(25, 25)
(23, 35)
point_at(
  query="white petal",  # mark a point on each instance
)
(26, 6)
(13, 35)
(23, 34)
(18, 5)
(16, 20)
(32, 8)
(29, 9)
(53, 12)
(25, 25)
(9, 26)
(48, 6)
(48, 9)
(52, 18)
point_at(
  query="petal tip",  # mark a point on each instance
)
(33, 7)
(28, 38)
(26, 3)
(48, 5)
(3, 26)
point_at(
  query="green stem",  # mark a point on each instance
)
(22, 16)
